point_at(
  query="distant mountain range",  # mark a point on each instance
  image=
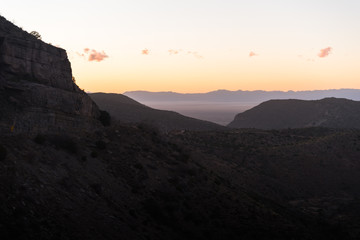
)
(128, 110)
(280, 114)
(241, 96)
(222, 106)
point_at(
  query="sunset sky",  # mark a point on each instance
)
(198, 45)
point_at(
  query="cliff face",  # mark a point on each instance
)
(37, 93)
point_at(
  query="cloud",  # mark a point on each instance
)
(92, 55)
(97, 56)
(174, 52)
(145, 52)
(252, 54)
(195, 54)
(80, 54)
(324, 52)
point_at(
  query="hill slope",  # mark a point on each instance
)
(128, 110)
(129, 182)
(278, 114)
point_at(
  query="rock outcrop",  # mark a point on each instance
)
(37, 93)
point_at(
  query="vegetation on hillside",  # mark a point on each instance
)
(133, 182)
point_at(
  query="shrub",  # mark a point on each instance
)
(65, 143)
(105, 118)
(138, 166)
(94, 154)
(97, 188)
(101, 144)
(3, 153)
(39, 139)
(36, 34)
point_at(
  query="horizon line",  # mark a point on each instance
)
(239, 90)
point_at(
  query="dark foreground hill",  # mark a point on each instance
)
(130, 182)
(128, 110)
(279, 114)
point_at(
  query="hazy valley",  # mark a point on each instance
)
(222, 106)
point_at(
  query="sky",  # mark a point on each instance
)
(193, 46)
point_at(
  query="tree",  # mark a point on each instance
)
(36, 34)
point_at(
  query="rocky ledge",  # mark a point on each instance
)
(37, 93)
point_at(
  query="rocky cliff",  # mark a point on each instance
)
(37, 93)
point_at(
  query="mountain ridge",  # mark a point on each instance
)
(242, 95)
(294, 113)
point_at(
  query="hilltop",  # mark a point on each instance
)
(279, 114)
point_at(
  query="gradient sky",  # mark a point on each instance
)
(200, 46)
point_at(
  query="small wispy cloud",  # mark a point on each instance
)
(174, 52)
(97, 56)
(324, 52)
(92, 55)
(145, 51)
(195, 54)
(252, 54)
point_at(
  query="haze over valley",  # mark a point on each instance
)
(222, 106)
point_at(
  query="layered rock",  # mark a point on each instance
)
(37, 92)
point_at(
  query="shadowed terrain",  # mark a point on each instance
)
(131, 182)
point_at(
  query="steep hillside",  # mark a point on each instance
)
(279, 114)
(37, 93)
(129, 111)
(130, 182)
(313, 170)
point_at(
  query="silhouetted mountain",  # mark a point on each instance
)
(241, 96)
(128, 110)
(277, 114)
